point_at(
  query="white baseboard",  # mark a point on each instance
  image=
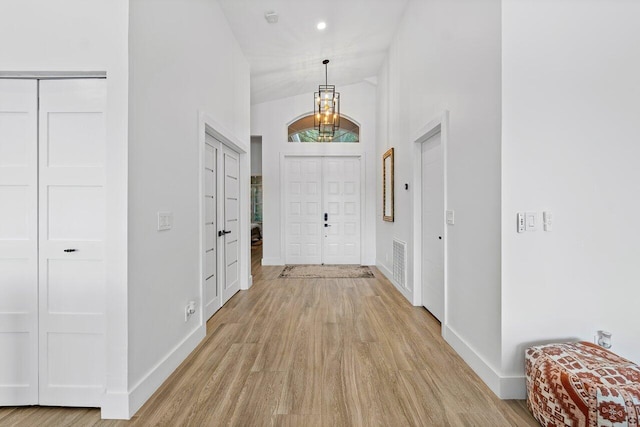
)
(115, 406)
(503, 387)
(513, 387)
(272, 261)
(389, 275)
(143, 390)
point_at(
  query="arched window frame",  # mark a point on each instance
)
(351, 126)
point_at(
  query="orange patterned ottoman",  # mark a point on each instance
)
(582, 384)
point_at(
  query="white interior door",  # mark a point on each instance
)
(341, 213)
(18, 242)
(433, 227)
(303, 210)
(322, 210)
(71, 239)
(230, 232)
(212, 299)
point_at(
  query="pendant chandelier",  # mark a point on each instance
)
(326, 109)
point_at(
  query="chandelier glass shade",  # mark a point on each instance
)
(326, 108)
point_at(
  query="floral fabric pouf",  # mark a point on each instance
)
(582, 384)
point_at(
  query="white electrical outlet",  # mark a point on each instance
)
(189, 310)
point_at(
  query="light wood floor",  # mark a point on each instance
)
(314, 352)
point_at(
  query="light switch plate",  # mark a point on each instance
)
(165, 221)
(531, 221)
(451, 217)
(547, 220)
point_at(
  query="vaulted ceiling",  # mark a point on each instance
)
(286, 57)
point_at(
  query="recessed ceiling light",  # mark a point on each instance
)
(321, 25)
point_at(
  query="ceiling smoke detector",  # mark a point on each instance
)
(271, 17)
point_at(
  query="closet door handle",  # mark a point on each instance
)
(70, 250)
(223, 232)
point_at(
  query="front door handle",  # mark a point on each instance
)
(327, 225)
(223, 232)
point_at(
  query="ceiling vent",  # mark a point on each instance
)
(271, 17)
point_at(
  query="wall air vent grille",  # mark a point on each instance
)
(400, 263)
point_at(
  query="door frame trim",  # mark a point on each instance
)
(363, 165)
(439, 124)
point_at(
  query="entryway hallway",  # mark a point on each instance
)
(314, 352)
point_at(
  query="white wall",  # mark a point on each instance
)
(570, 129)
(184, 60)
(256, 155)
(270, 120)
(86, 35)
(446, 56)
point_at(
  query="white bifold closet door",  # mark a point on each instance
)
(322, 210)
(67, 161)
(18, 242)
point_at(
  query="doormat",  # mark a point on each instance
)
(326, 272)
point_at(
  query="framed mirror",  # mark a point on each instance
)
(387, 185)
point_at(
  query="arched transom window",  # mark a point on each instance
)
(302, 130)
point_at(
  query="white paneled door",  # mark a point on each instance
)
(212, 300)
(322, 210)
(341, 213)
(303, 210)
(18, 242)
(71, 238)
(433, 227)
(230, 234)
(221, 232)
(52, 232)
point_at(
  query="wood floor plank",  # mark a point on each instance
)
(288, 420)
(259, 399)
(312, 352)
(303, 391)
(336, 407)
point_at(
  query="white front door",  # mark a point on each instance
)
(18, 242)
(71, 238)
(303, 210)
(433, 227)
(230, 233)
(341, 212)
(212, 300)
(322, 210)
